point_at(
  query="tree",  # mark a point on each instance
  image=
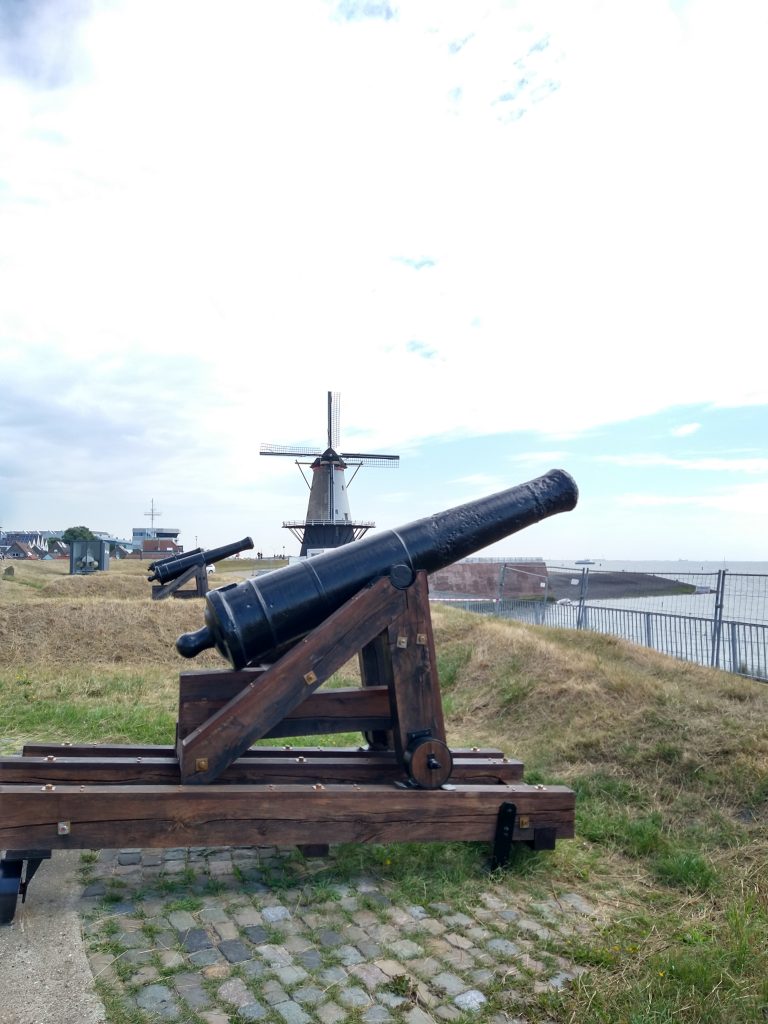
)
(73, 533)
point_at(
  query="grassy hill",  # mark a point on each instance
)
(669, 762)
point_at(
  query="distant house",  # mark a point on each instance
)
(156, 548)
(58, 549)
(19, 551)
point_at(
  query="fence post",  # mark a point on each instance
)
(735, 666)
(583, 589)
(717, 621)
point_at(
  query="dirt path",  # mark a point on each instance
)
(45, 977)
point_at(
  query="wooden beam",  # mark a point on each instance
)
(415, 692)
(98, 817)
(126, 750)
(349, 709)
(365, 767)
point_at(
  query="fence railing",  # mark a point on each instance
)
(694, 624)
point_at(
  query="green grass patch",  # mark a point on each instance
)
(76, 721)
(658, 969)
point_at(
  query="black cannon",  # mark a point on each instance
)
(252, 621)
(166, 569)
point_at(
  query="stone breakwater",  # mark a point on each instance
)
(224, 936)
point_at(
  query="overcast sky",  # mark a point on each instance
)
(512, 235)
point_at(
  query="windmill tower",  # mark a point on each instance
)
(329, 523)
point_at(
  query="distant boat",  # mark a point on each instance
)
(584, 561)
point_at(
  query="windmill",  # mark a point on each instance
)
(328, 523)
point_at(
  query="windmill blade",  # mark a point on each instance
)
(389, 461)
(334, 415)
(288, 449)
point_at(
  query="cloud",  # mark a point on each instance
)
(685, 429)
(709, 464)
(736, 501)
(41, 42)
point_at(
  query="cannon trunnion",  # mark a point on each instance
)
(214, 787)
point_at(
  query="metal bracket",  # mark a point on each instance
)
(502, 842)
(543, 838)
(420, 734)
(12, 885)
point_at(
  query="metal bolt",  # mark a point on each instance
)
(201, 764)
(48, 788)
(310, 678)
(64, 828)
(50, 757)
(318, 785)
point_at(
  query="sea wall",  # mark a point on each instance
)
(490, 579)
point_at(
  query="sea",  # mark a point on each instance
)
(745, 591)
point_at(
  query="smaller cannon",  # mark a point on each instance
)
(172, 572)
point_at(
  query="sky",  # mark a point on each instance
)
(512, 235)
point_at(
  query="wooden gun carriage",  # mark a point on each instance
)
(285, 634)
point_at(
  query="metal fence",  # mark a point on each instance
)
(716, 619)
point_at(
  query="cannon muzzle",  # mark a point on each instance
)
(249, 620)
(171, 568)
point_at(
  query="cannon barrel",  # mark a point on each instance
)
(174, 558)
(249, 620)
(171, 568)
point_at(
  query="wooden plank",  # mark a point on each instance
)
(349, 709)
(375, 661)
(96, 817)
(206, 752)
(286, 750)
(415, 692)
(365, 767)
(95, 750)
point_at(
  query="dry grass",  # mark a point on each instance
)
(573, 701)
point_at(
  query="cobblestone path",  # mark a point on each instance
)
(228, 935)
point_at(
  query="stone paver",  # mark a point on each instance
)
(239, 949)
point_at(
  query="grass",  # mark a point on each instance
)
(669, 762)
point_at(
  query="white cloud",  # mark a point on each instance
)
(709, 464)
(685, 429)
(742, 501)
